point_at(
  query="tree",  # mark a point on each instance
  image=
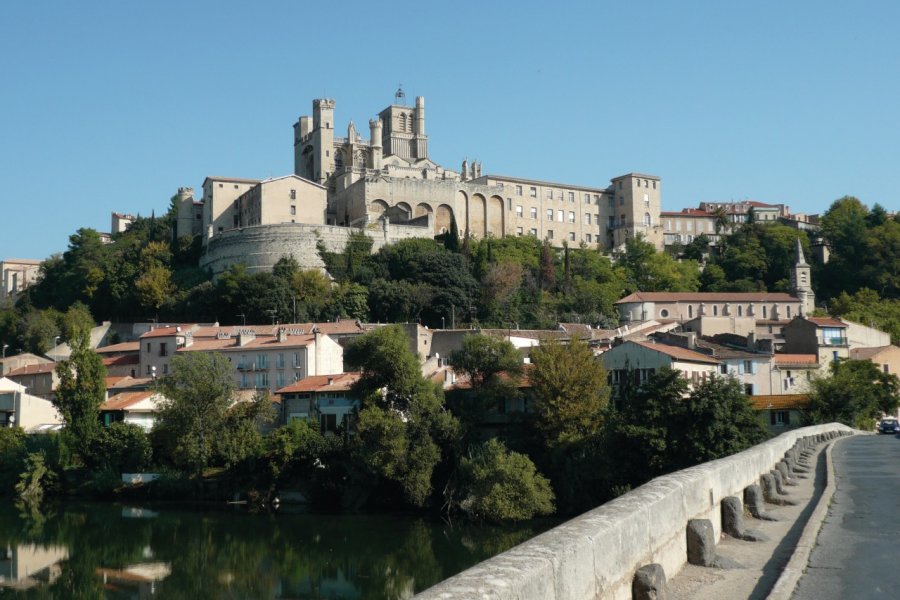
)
(649, 270)
(81, 390)
(570, 391)
(402, 424)
(499, 485)
(154, 287)
(197, 394)
(855, 393)
(482, 358)
(697, 249)
(312, 291)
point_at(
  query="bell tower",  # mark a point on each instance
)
(801, 283)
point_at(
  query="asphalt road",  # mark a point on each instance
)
(857, 553)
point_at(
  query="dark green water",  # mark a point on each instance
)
(109, 551)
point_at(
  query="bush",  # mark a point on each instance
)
(12, 455)
(499, 485)
(123, 448)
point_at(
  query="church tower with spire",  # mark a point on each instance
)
(801, 283)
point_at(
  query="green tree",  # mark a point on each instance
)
(499, 485)
(855, 393)
(312, 291)
(198, 393)
(570, 391)
(81, 390)
(483, 358)
(154, 287)
(649, 270)
(402, 424)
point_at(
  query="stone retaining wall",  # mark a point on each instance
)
(595, 555)
(259, 247)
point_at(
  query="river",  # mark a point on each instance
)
(112, 551)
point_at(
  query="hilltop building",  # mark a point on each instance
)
(388, 186)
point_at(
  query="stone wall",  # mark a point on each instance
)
(595, 555)
(260, 247)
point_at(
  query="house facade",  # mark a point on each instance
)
(826, 337)
(641, 360)
(685, 306)
(324, 399)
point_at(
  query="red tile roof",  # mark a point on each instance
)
(119, 361)
(796, 359)
(340, 382)
(166, 331)
(686, 212)
(111, 381)
(678, 353)
(708, 297)
(257, 343)
(826, 322)
(125, 400)
(123, 347)
(32, 370)
(779, 402)
(867, 353)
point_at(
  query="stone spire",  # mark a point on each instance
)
(801, 260)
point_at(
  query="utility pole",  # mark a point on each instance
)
(452, 316)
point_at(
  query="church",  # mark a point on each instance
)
(388, 185)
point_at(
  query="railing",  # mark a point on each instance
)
(595, 555)
(834, 341)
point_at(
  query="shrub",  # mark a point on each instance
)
(499, 485)
(123, 448)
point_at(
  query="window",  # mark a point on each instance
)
(509, 204)
(779, 418)
(749, 367)
(534, 232)
(297, 361)
(654, 185)
(262, 361)
(560, 216)
(293, 194)
(664, 313)
(533, 212)
(886, 368)
(148, 347)
(587, 218)
(748, 389)
(262, 379)
(646, 199)
(549, 194)
(621, 200)
(165, 368)
(279, 380)
(597, 199)
(647, 220)
(587, 238)
(163, 349)
(518, 231)
(293, 211)
(518, 190)
(549, 214)
(611, 222)
(533, 192)
(620, 185)
(587, 198)
(328, 422)
(549, 234)
(559, 195)
(571, 217)
(571, 196)
(519, 211)
(690, 311)
(279, 361)
(571, 236)
(723, 369)
(715, 310)
(622, 221)
(788, 312)
(740, 311)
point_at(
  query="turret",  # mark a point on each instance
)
(420, 115)
(375, 141)
(184, 201)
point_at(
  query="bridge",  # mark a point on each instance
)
(635, 546)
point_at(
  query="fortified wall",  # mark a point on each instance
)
(260, 247)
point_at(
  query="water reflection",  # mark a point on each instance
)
(106, 551)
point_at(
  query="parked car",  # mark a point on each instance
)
(889, 426)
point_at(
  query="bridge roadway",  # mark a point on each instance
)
(857, 552)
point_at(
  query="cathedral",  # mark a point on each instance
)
(388, 185)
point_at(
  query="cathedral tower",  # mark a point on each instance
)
(801, 283)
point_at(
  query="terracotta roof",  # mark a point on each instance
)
(686, 212)
(867, 353)
(131, 382)
(32, 370)
(535, 334)
(759, 204)
(118, 361)
(678, 353)
(111, 381)
(340, 382)
(336, 327)
(826, 322)
(166, 331)
(796, 359)
(230, 179)
(708, 297)
(779, 402)
(257, 343)
(125, 400)
(123, 347)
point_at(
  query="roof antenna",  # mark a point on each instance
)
(400, 95)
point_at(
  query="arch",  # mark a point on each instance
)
(495, 217)
(478, 215)
(405, 208)
(461, 209)
(442, 219)
(338, 159)
(402, 122)
(377, 208)
(422, 208)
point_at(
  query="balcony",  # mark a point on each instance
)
(834, 341)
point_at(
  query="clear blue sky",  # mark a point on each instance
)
(111, 106)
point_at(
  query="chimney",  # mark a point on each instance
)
(282, 335)
(331, 381)
(245, 337)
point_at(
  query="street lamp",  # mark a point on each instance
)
(5, 346)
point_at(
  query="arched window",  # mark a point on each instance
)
(740, 311)
(715, 310)
(647, 219)
(402, 122)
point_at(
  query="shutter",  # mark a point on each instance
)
(772, 417)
